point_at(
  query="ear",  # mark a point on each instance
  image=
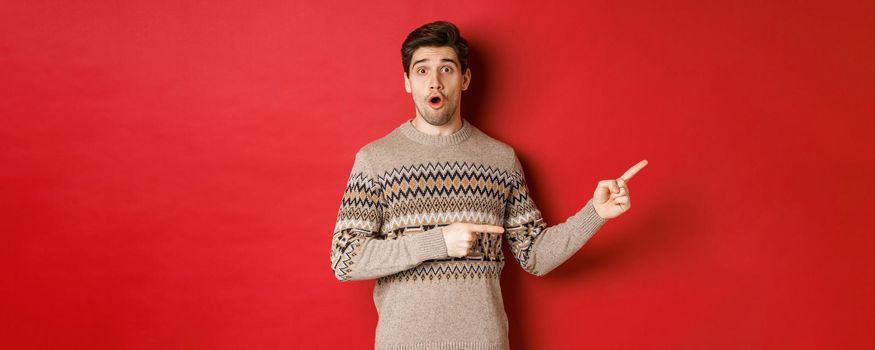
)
(407, 83)
(466, 79)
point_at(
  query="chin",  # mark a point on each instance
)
(433, 117)
(437, 121)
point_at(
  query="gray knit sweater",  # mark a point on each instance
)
(403, 188)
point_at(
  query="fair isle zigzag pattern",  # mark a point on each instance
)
(430, 194)
(344, 248)
(448, 178)
(359, 218)
(360, 206)
(449, 192)
(447, 270)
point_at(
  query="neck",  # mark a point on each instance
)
(447, 129)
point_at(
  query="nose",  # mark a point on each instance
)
(434, 82)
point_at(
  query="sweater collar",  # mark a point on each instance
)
(455, 138)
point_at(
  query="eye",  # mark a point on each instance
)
(420, 70)
(447, 69)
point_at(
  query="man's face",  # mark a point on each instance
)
(436, 83)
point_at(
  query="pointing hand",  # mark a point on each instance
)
(611, 197)
(460, 237)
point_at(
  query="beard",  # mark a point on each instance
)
(437, 117)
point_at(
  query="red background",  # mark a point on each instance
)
(172, 170)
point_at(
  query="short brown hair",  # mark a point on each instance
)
(435, 34)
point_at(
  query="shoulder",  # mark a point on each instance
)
(378, 149)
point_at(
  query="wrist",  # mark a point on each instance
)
(598, 212)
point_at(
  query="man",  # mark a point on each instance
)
(426, 206)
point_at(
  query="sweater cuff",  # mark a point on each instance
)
(429, 244)
(587, 219)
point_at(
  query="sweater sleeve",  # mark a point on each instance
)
(358, 249)
(539, 248)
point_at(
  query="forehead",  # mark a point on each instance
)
(433, 54)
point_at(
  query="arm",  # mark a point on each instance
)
(539, 248)
(358, 251)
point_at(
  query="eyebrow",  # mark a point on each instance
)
(442, 60)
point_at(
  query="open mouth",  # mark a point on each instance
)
(436, 101)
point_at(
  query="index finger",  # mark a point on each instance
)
(633, 170)
(488, 228)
